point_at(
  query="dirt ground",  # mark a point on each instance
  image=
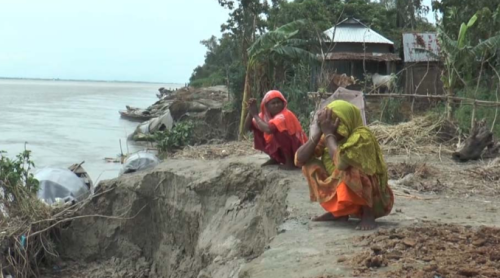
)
(438, 198)
(442, 224)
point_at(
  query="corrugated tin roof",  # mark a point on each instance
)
(414, 41)
(349, 56)
(353, 31)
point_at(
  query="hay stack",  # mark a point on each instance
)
(426, 134)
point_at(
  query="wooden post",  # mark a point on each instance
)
(246, 97)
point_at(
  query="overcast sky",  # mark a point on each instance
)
(128, 40)
(148, 40)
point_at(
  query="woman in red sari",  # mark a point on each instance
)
(277, 131)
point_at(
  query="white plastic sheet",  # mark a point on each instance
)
(138, 162)
(59, 183)
(354, 97)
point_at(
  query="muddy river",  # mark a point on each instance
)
(66, 122)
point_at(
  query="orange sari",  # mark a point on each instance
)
(345, 192)
(357, 176)
(287, 135)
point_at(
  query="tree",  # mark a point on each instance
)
(455, 12)
(464, 59)
(274, 49)
(222, 57)
(227, 59)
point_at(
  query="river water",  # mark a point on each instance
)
(67, 122)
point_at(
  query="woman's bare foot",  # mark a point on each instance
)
(288, 167)
(269, 162)
(367, 220)
(329, 217)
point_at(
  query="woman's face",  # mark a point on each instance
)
(274, 106)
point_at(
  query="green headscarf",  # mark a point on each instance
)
(359, 148)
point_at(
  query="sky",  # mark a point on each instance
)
(126, 40)
(123, 40)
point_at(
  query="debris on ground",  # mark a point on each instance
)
(216, 151)
(479, 143)
(398, 171)
(487, 173)
(415, 176)
(205, 106)
(431, 250)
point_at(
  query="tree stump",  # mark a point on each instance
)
(480, 138)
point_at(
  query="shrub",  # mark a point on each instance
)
(17, 184)
(179, 136)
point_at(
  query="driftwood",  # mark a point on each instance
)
(479, 144)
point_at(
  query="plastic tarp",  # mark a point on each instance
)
(59, 183)
(155, 124)
(354, 97)
(165, 120)
(138, 162)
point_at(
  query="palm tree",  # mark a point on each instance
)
(274, 48)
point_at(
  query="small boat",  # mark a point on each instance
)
(135, 117)
(82, 174)
(135, 114)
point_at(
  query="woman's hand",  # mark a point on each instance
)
(315, 131)
(326, 123)
(252, 107)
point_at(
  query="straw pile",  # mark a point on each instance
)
(426, 134)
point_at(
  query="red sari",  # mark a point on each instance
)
(287, 135)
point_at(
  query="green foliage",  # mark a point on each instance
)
(279, 39)
(179, 136)
(295, 90)
(16, 172)
(18, 185)
(214, 79)
(456, 12)
(393, 111)
(277, 46)
(463, 113)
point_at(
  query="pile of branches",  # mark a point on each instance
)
(29, 228)
(29, 238)
(425, 134)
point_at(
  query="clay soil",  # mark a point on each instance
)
(431, 250)
(444, 224)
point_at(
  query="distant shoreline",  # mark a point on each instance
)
(85, 80)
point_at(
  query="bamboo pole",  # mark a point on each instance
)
(244, 101)
(468, 101)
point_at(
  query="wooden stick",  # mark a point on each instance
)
(86, 216)
(437, 97)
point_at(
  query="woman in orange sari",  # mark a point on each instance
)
(276, 130)
(345, 168)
